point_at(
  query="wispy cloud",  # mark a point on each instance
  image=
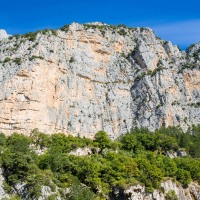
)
(182, 33)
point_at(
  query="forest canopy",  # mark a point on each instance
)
(140, 156)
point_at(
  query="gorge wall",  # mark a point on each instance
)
(84, 78)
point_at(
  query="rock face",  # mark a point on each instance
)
(21, 190)
(2, 191)
(81, 152)
(84, 78)
(138, 192)
(3, 34)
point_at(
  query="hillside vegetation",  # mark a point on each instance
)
(136, 157)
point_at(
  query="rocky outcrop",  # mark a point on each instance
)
(3, 34)
(84, 78)
(21, 190)
(46, 193)
(168, 94)
(138, 192)
(3, 194)
(178, 153)
(81, 152)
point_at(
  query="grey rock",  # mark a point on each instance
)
(81, 152)
(3, 34)
(3, 194)
(96, 77)
(138, 192)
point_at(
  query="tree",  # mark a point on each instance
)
(2, 139)
(41, 139)
(79, 192)
(128, 141)
(166, 142)
(102, 139)
(148, 141)
(184, 177)
(16, 166)
(150, 174)
(19, 143)
(170, 167)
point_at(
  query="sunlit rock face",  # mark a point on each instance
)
(3, 34)
(85, 78)
(138, 192)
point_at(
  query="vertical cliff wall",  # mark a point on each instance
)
(84, 78)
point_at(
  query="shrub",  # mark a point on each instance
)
(18, 61)
(71, 60)
(102, 139)
(184, 177)
(31, 36)
(65, 28)
(122, 25)
(171, 195)
(6, 60)
(36, 57)
(122, 32)
(128, 141)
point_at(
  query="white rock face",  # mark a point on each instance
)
(96, 77)
(3, 34)
(37, 149)
(47, 192)
(2, 191)
(138, 192)
(81, 152)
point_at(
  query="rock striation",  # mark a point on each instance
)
(84, 78)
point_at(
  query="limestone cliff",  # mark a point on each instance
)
(138, 192)
(84, 78)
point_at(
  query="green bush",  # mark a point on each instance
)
(102, 139)
(6, 60)
(122, 32)
(18, 61)
(171, 195)
(183, 176)
(136, 157)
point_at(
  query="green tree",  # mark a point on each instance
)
(18, 143)
(128, 141)
(102, 139)
(184, 177)
(79, 192)
(2, 139)
(41, 139)
(150, 174)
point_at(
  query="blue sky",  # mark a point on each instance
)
(175, 20)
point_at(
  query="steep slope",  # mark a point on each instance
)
(84, 78)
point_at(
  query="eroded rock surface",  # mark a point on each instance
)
(85, 78)
(138, 192)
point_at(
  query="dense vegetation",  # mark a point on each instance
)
(136, 157)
